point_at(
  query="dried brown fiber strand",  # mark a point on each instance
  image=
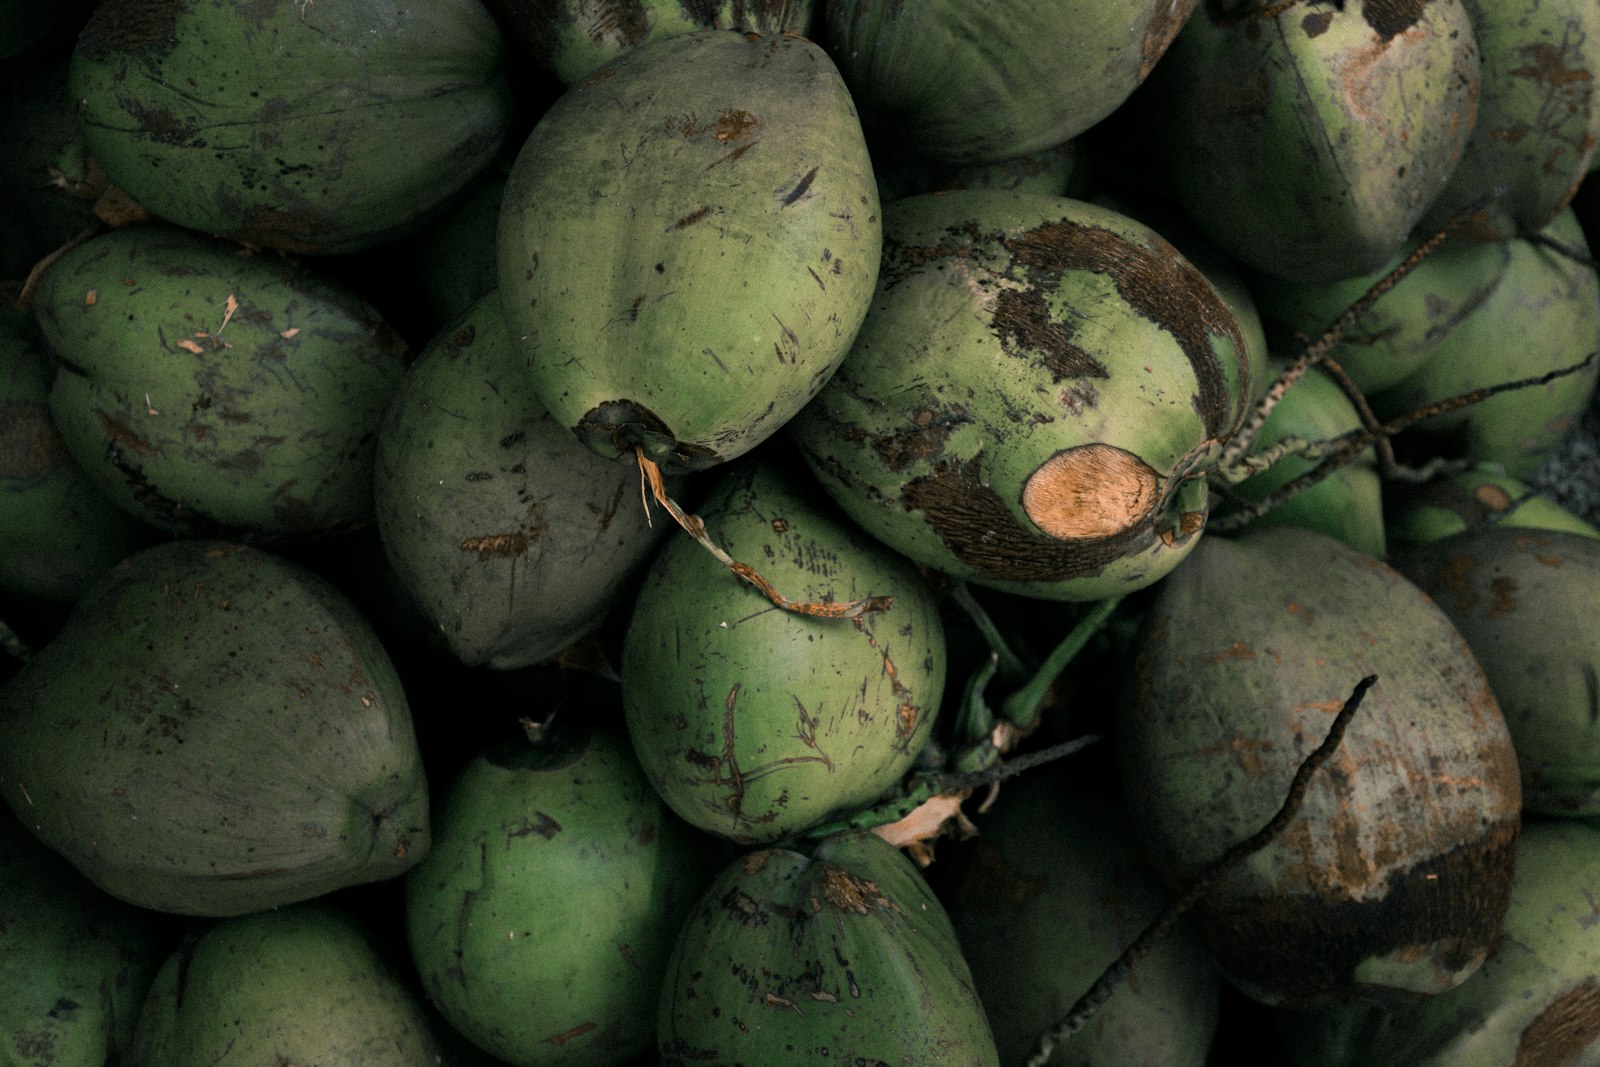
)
(696, 528)
(1158, 930)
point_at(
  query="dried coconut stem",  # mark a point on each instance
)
(1158, 931)
(696, 528)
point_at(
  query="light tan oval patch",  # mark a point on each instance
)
(1090, 491)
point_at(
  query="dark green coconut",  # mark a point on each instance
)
(1308, 140)
(74, 962)
(1534, 1003)
(1393, 879)
(1053, 893)
(843, 955)
(302, 985)
(1525, 600)
(303, 126)
(513, 538)
(985, 82)
(571, 38)
(1538, 116)
(214, 392)
(215, 731)
(58, 531)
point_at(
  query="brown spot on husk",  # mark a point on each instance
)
(924, 442)
(1316, 24)
(1390, 18)
(498, 546)
(124, 435)
(1564, 1031)
(1023, 322)
(295, 228)
(847, 893)
(1094, 490)
(1305, 947)
(1159, 284)
(30, 446)
(142, 28)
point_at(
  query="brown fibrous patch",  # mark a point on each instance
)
(30, 446)
(1564, 1031)
(1095, 490)
(848, 893)
(1306, 946)
(1157, 283)
(142, 28)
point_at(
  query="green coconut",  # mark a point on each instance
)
(755, 722)
(1348, 504)
(1543, 316)
(1535, 1001)
(688, 243)
(1393, 879)
(512, 538)
(542, 918)
(74, 962)
(1524, 600)
(1538, 116)
(215, 731)
(1480, 496)
(571, 38)
(306, 127)
(842, 955)
(58, 531)
(1034, 397)
(1309, 140)
(213, 392)
(301, 985)
(1053, 893)
(985, 82)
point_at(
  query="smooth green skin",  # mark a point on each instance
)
(985, 82)
(1543, 316)
(513, 538)
(1524, 600)
(1052, 895)
(692, 231)
(1318, 165)
(542, 919)
(1469, 498)
(574, 37)
(1398, 334)
(215, 731)
(1538, 118)
(754, 722)
(1010, 328)
(301, 985)
(1404, 842)
(257, 434)
(309, 128)
(843, 956)
(74, 962)
(1348, 504)
(1532, 1002)
(58, 531)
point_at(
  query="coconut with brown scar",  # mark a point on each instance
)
(1035, 397)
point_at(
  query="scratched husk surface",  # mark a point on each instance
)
(1392, 882)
